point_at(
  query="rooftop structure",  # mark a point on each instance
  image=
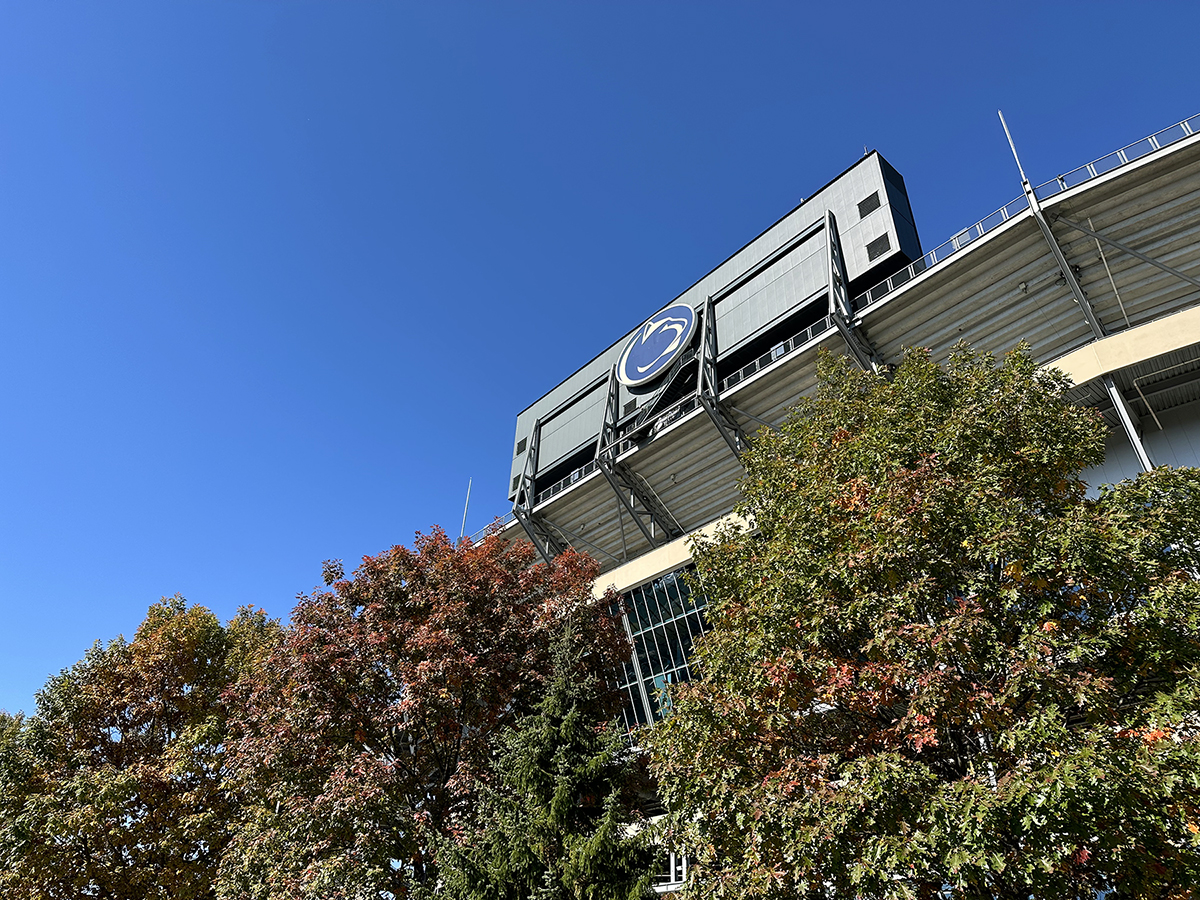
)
(1098, 258)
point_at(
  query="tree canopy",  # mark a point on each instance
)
(115, 787)
(321, 759)
(557, 819)
(363, 737)
(939, 660)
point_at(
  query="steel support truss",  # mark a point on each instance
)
(1125, 414)
(633, 492)
(1128, 419)
(1129, 422)
(1068, 271)
(708, 387)
(841, 311)
(540, 532)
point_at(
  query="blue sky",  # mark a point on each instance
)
(276, 277)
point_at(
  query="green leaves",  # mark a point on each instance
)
(939, 661)
(116, 787)
(362, 738)
(556, 819)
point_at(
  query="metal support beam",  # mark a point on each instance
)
(548, 544)
(841, 310)
(729, 429)
(1126, 415)
(579, 539)
(632, 492)
(752, 417)
(1127, 249)
(708, 387)
(1068, 273)
(642, 503)
(647, 709)
(546, 541)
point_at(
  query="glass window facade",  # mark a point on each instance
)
(671, 874)
(662, 618)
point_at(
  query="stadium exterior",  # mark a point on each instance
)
(1097, 270)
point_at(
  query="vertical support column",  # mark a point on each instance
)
(841, 310)
(633, 661)
(1125, 414)
(707, 376)
(547, 543)
(708, 388)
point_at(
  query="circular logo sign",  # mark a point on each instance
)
(656, 344)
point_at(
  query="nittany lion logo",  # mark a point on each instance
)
(653, 346)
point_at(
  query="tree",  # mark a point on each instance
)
(557, 821)
(362, 737)
(939, 661)
(115, 788)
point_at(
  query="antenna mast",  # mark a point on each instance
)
(462, 531)
(1013, 147)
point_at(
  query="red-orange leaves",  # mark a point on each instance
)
(371, 722)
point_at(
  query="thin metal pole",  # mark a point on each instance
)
(463, 530)
(1013, 146)
(574, 537)
(1104, 259)
(1127, 249)
(1137, 387)
(742, 412)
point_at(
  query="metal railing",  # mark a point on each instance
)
(814, 330)
(941, 252)
(564, 483)
(673, 412)
(495, 525)
(1084, 173)
(1118, 158)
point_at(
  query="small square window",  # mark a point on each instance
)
(629, 407)
(878, 247)
(521, 445)
(516, 482)
(868, 206)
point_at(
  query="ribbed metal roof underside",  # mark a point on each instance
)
(1003, 290)
(1162, 384)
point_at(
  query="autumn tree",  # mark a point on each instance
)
(361, 739)
(557, 819)
(115, 787)
(940, 661)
